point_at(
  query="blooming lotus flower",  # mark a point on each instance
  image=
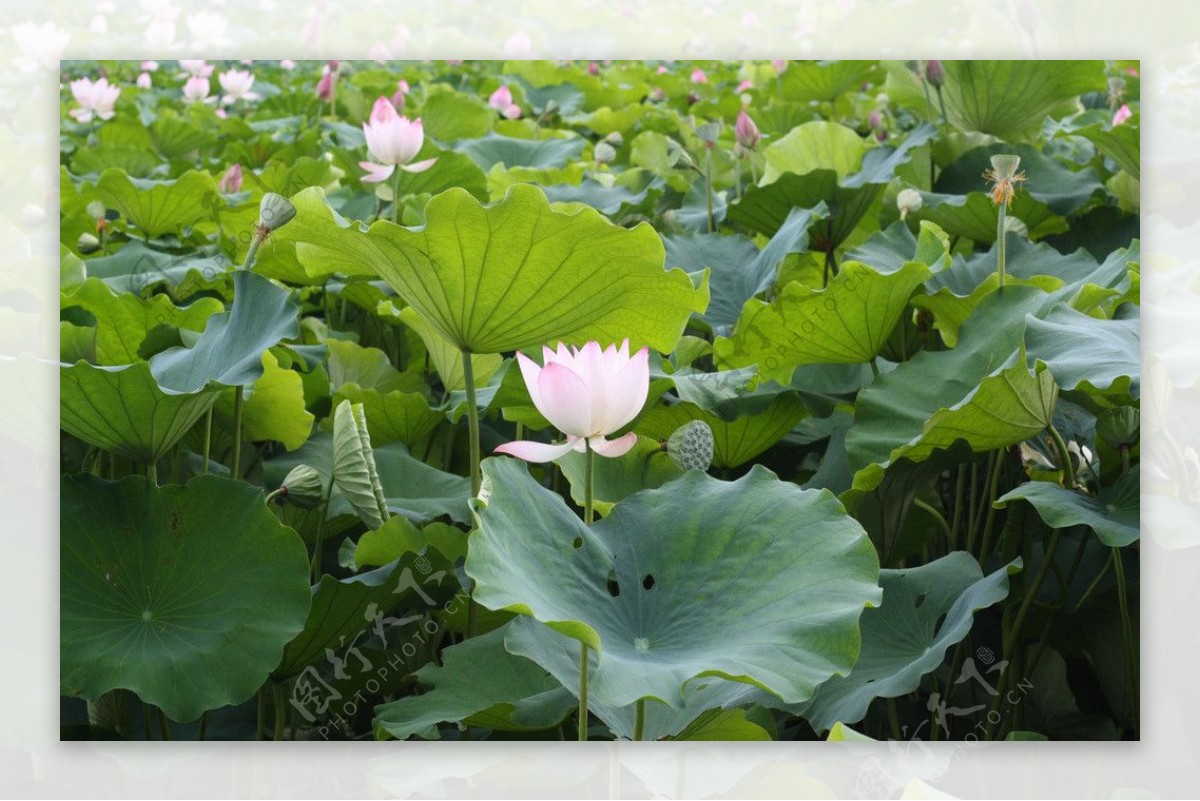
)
(231, 181)
(1123, 113)
(502, 101)
(95, 99)
(236, 84)
(143, 81)
(392, 141)
(197, 68)
(196, 90)
(746, 131)
(698, 76)
(150, 66)
(587, 394)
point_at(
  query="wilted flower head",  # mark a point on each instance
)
(586, 393)
(231, 181)
(908, 200)
(236, 84)
(1123, 114)
(604, 152)
(1004, 178)
(393, 141)
(196, 90)
(95, 99)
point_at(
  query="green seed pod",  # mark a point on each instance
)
(691, 446)
(303, 487)
(88, 243)
(274, 212)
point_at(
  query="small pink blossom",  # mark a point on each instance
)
(502, 101)
(150, 66)
(325, 87)
(196, 90)
(231, 181)
(663, 69)
(593, 68)
(779, 64)
(1123, 114)
(393, 141)
(401, 92)
(196, 67)
(698, 76)
(745, 86)
(237, 85)
(746, 132)
(288, 64)
(143, 81)
(95, 99)
(586, 393)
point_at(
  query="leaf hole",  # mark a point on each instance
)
(614, 589)
(578, 543)
(920, 599)
(648, 582)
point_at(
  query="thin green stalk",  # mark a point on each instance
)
(993, 493)
(712, 220)
(639, 719)
(476, 481)
(737, 178)
(396, 197)
(1001, 240)
(203, 725)
(207, 438)
(1095, 583)
(975, 517)
(280, 709)
(1127, 633)
(1064, 457)
(152, 472)
(893, 718)
(928, 99)
(583, 692)
(589, 485)
(874, 368)
(942, 103)
(164, 725)
(830, 266)
(941, 521)
(236, 462)
(319, 537)
(252, 251)
(260, 717)
(958, 507)
(146, 721)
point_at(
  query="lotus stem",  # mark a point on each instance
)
(583, 692)
(1095, 582)
(476, 481)
(396, 198)
(1064, 457)
(708, 182)
(207, 438)
(639, 720)
(1001, 240)
(146, 721)
(203, 725)
(252, 252)
(280, 709)
(319, 536)
(1127, 634)
(152, 472)
(236, 462)
(261, 715)
(985, 547)
(589, 496)
(941, 521)
(164, 725)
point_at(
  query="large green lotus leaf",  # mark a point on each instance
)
(230, 350)
(123, 410)
(765, 208)
(449, 115)
(369, 368)
(391, 416)
(123, 319)
(160, 207)
(513, 275)
(737, 269)
(973, 215)
(136, 162)
(184, 595)
(804, 81)
(1081, 349)
(845, 323)
(541, 153)
(475, 675)
(925, 611)
(736, 441)
(274, 409)
(1011, 99)
(354, 471)
(812, 146)
(894, 412)
(136, 266)
(399, 537)
(641, 587)
(1114, 516)
(890, 249)
(612, 201)
(645, 466)
(447, 359)
(1121, 143)
(450, 169)
(1048, 181)
(342, 608)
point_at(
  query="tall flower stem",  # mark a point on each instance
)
(583, 692)
(235, 463)
(1064, 457)
(473, 448)
(708, 189)
(588, 515)
(280, 709)
(396, 201)
(639, 719)
(1127, 633)
(319, 538)
(1001, 239)
(207, 439)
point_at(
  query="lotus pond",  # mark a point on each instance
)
(602, 400)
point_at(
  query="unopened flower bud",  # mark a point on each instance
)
(303, 487)
(935, 73)
(746, 132)
(231, 181)
(274, 212)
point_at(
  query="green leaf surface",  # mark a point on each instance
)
(517, 274)
(925, 611)
(645, 466)
(1080, 349)
(123, 410)
(1121, 143)
(274, 408)
(736, 441)
(354, 471)
(184, 595)
(671, 553)
(537, 153)
(160, 207)
(392, 416)
(447, 359)
(1114, 516)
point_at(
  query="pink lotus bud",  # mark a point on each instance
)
(501, 98)
(288, 64)
(334, 65)
(1131, 71)
(231, 181)
(698, 76)
(221, 113)
(586, 393)
(745, 86)
(150, 66)
(398, 97)
(143, 81)
(196, 90)
(1123, 113)
(593, 68)
(874, 120)
(325, 87)
(512, 112)
(935, 73)
(746, 132)
(780, 64)
(663, 69)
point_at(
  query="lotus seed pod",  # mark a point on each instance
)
(691, 446)
(604, 153)
(274, 212)
(303, 487)
(88, 243)
(908, 201)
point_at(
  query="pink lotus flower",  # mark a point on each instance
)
(143, 81)
(746, 132)
(196, 90)
(150, 66)
(237, 84)
(95, 99)
(393, 141)
(231, 181)
(663, 69)
(1123, 113)
(587, 394)
(197, 68)
(502, 101)
(325, 87)
(745, 85)
(779, 64)
(698, 76)
(288, 64)
(401, 92)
